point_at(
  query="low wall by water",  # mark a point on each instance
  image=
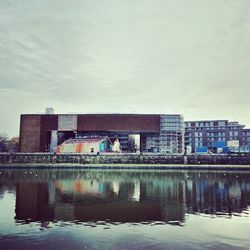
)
(46, 158)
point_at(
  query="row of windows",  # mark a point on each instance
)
(233, 133)
(207, 124)
(198, 139)
(217, 139)
(214, 139)
(198, 144)
(216, 134)
(212, 128)
(198, 134)
(208, 134)
(246, 133)
(171, 119)
(171, 127)
(174, 125)
(205, 129)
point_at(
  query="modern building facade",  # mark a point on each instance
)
(206, 133)
(159, 133)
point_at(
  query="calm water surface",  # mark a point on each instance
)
(107, 209)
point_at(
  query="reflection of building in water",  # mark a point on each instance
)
(211, 194)
(173, 202)
(235, 191)
(104, 203)
(129, 191)
(64, 212)
(135, 194)
(92, 199)
(52, 192)
(130, 197)
(171, 193)
(80, 186)
(32, 202)
(116, 187)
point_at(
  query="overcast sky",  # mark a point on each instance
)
(132, 56)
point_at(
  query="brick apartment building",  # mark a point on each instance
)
(205, 133)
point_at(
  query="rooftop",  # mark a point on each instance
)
(87, 139)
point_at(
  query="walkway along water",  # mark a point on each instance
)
(128, 160)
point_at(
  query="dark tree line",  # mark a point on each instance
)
(8, 145)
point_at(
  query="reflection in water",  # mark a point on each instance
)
(124, 196)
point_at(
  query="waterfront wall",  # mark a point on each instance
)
(46, 158)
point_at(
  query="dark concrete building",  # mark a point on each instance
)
(206, 133)
(158, 132)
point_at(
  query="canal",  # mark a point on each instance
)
(124, 209)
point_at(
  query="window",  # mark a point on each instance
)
(221, 124)
(92, 150)
(221, 139)
(233, 133)
(233, 138)
(198, 139)
(198, 144)
(198, 134)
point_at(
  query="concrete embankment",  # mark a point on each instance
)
(126, 161)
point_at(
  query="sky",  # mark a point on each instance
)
(132, 56)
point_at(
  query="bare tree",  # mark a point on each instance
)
(13, 144)
(3, 142)
(3, 137)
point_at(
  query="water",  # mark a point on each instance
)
(107, 209)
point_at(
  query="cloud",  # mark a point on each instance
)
(190, 57)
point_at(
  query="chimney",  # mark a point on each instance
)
(49, 111)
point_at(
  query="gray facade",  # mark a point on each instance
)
(170, 139)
